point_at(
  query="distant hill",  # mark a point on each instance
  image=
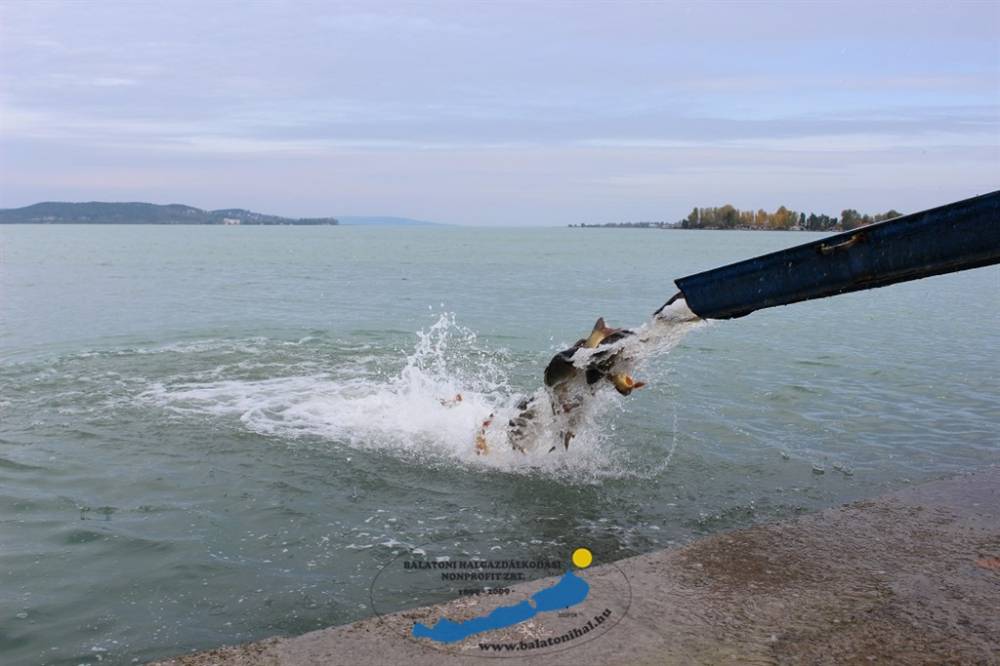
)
(385, 221)
(97, 212)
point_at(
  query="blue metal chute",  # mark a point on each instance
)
(954, 237)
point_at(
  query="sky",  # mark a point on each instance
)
(500, 113)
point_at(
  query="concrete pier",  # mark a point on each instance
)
(912, 577)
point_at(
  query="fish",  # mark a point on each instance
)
(599, 334)
(566, 391)
(624, 383)
(561, 368)
(482, 447)
(451, 402)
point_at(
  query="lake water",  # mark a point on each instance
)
(214, 434)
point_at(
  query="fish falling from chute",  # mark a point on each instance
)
(571, 377)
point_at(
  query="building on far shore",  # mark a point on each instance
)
(230, 221)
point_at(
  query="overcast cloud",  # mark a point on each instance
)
(500, 113)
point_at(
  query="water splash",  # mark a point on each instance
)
(432, 407)
(549, 420)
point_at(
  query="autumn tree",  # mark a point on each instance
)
(850, 219)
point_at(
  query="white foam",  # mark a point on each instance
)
(414, 413)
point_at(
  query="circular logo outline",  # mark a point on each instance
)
(515, 653)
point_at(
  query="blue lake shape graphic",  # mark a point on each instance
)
(569, 591)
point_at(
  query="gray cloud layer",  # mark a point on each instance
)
(504, 113)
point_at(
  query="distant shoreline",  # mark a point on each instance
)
(672, 227)
(730, 218)
(136, 212)
(95, 223)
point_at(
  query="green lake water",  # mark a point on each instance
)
(215, 434)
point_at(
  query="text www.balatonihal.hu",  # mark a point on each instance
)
(538, 643)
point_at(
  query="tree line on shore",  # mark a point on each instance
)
(729, 217)
(783, 219)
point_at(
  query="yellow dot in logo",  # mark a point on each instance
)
(582, 557)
